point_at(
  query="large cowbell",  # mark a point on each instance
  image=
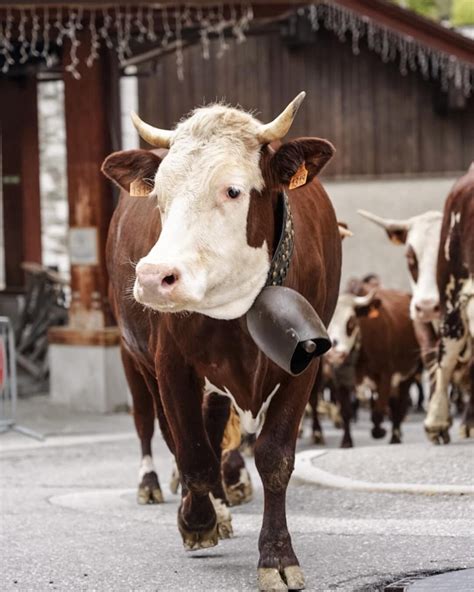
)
(287, 329)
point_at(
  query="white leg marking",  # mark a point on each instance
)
(146, 466)
(224, 518)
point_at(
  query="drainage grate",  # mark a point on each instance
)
(452, 581)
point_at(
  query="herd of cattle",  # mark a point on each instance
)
(385, 337)
(190, 248)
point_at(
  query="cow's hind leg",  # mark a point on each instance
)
(149, 491)
(278, 566)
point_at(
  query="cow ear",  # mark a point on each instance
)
(398, 236)
(132, 170)
(371, 310)
(297, 162)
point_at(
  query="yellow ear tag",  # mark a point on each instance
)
(139, 189)
(395, 240)
(373, 313)
(299, 178)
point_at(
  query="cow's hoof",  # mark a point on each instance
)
(224, 518)
(240, 492)
(466, 431)
(318, 437)
(378, 432)
(270, 580)
(346, 444)
(149, 491)
(294, 577)
(438, 434)
(201, 539)
(396, 437)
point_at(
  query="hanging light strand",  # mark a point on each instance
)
(391, 46)
(35, 34)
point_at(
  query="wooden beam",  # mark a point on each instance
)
(20, 177)
(92, 132)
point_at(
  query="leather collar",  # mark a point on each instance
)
(282, 256)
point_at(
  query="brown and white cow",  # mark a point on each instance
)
(202, 241)
(422, 237)
(373, 339)
(455, 278)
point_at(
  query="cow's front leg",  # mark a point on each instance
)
(399, 405)
(278, 566)
(344, 397)
(467, 423)
(438, 418)
(182, 395)
(216, 416)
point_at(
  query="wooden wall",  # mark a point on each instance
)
(382, 123)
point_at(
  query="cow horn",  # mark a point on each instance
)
(153, 135)
(365, 300)
(344, 232)
(279, 127)
(388, 224)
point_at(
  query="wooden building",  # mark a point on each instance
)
(383, 121)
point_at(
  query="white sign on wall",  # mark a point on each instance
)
(83, 245)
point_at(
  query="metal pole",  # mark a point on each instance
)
(9, 391)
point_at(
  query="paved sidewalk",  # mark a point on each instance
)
(69, 519)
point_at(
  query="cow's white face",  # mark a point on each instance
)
(422, 254)
(202, 261)
(343, 330)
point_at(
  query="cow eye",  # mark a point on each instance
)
(233, 192)
(350, 326)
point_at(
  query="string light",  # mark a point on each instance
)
(39, 33)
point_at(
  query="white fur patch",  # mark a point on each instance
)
(423, 237)
(438, 406)
(249, 423)
(146, 466)
(343, 343)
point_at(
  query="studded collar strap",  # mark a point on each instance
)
(282, 257)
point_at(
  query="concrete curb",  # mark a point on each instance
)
(306, 471)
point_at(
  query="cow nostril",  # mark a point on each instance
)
(169, 280)
(436, 308)
(334, 342)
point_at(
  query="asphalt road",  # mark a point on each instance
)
(69, 520)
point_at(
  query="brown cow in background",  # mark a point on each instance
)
(373, 338)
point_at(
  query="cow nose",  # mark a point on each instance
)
(158, 278)
(427, 305)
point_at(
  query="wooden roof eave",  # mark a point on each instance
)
(411, 24)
